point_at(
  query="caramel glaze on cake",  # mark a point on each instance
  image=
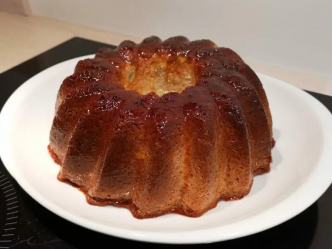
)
(162, 127)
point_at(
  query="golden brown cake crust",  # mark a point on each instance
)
(162, 127)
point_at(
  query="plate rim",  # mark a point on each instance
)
(188, 237)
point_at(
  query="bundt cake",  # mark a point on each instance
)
(162, 127)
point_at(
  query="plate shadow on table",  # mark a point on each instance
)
(296, 233)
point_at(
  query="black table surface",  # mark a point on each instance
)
(26, 224)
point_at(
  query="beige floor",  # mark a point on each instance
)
(22, 38)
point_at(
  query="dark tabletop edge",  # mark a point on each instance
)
(23, 64)
(48, 50)
(297, 233)
(34, 57)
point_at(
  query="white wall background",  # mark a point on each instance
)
(292, 34)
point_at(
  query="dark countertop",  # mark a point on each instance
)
(33, 226)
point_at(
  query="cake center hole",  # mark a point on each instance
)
(160, 74)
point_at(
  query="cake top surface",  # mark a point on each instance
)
(156, 66)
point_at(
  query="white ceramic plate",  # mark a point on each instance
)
(301, 169)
